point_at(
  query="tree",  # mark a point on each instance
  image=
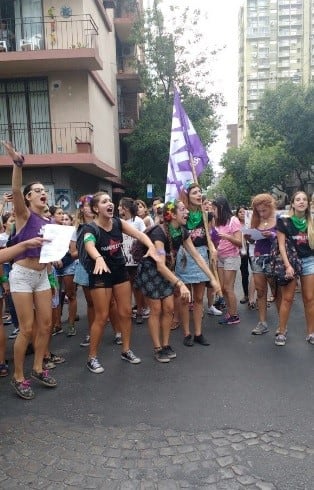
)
(166, 60)
(286, 116)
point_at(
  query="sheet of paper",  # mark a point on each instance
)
(253, 233)
(59, 237)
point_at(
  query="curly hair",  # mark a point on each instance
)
(265, 200)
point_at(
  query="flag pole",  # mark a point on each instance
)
(211, 248)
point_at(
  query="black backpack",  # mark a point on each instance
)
(83, 256)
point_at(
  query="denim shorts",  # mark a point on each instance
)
(187, 269)
(81, 276)
(229, 263)
(307, 266)
(260, 264)
(24, 280)
(69, 270)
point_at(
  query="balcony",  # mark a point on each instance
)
(126, 123)
(125, 16)
(45, 138)
(49, 44)
(127, 75)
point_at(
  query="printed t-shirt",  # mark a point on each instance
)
(109, 243)
(299, 238)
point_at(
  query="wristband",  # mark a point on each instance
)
(3, 279)
(98, 257)
(52, 281)
(19, 162)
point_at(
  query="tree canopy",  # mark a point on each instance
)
(279, 150)
(167, 59)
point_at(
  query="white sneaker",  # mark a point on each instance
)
(214, 311)
(94, 365)
(145, 312)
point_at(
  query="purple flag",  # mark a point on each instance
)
(185, 148)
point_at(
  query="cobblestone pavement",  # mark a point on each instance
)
(39, 453)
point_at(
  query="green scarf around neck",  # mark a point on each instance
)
(299, 223)
(194, 219)
(174, 232)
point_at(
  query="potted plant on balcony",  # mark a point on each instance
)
(82, 146)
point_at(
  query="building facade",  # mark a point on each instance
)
(276, 44)
(68, 92)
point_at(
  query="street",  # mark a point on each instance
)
(234, 415)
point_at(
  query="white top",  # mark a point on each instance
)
(139, 224)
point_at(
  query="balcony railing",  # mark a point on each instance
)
(127, 64)
(126, 122)
(43, 138)
(127, 8)
(33, 33)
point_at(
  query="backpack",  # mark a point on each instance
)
(138, 249)
(83, 256)
(276, 265)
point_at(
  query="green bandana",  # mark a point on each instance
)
(174, 232)
(194, 219)
(299, 223)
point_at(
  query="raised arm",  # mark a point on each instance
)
(20, 208)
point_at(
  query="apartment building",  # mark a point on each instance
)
(68, 92)
(276, 44)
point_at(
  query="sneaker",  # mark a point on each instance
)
(7, 321)
(168, 350)
(233, 320)
(145, 313)
(4, 369)
(23, 388)
(224, 320)
(44, 378)
(310, 338)
(260, 328)
(94, 365)
(161, 355)
(188, 341)
(13, 335)
(86, 341)
(117, 339)
(56, 331)
(71, 331)
(213, 311)
(280, 339)
(244, 300)
(139, 319)
(200, 339)
(48, 364)
(130, 357)
(220, 303)
(56, 359)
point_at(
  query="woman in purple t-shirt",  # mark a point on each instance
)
(264, 220)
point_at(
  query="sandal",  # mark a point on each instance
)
(175, 324)
(4, 369)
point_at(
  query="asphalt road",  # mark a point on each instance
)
(235, 415)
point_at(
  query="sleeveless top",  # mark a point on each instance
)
(33, 227)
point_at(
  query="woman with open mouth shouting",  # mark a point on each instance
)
(29, 280)
(108, 275)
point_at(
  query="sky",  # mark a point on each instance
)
(220, 29)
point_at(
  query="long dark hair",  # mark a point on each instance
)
(129, 204)
(224, 212)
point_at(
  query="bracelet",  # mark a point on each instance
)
(3, 279)
(98, 256)
(177, 282)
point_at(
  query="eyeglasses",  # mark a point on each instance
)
(38, 190)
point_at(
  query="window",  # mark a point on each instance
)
(24, 114)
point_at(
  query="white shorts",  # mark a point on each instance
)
(24, 280)
(229, 263)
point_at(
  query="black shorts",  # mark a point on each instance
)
(107, 279)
